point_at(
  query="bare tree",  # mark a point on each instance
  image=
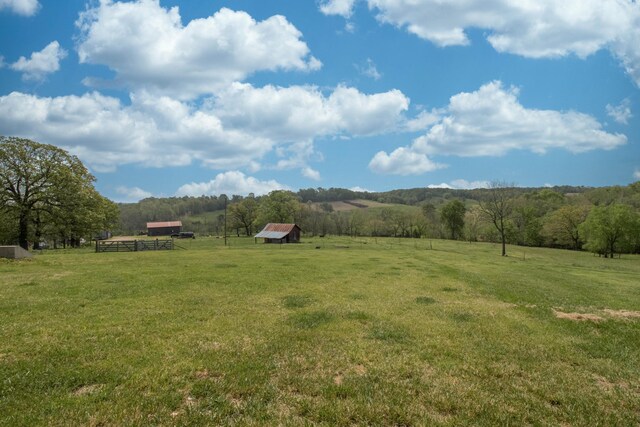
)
(498, 206)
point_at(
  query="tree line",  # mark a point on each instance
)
(603, 220)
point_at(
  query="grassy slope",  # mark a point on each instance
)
(383, 331)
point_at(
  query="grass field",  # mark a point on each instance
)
(326, 332)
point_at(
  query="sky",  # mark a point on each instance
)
(202, 97)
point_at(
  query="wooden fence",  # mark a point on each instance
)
(133, 245)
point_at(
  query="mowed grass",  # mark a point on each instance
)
(326, 332)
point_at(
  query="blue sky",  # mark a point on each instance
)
(196, 97)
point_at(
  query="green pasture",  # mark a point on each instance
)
(327, 332)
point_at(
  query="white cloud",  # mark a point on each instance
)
(626, 48)
(441, 185)
(370, 70)
(461, 184)
(156, 132)
(620, 113)
(534, 29)
(303, 112)
(491, 122)
(403, 161)
(149, 47)
(360, 189)
(350, 27)
(41, 63)
(296, 156)
(313, 174)
(362, 114)
(21, 7)
(337, 7)
(422, 121)
(230, 183)
(133, 194)
(636, 174)
(234, 130)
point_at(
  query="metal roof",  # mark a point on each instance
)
(272, 234)
(164, 224)
(276, 231)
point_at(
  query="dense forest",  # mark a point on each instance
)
(604, 220)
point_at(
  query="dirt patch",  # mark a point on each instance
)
(87, 390)
(604, 383)
(235, 401)
(209, 345)
(607, 385)
(202, 374)
(625, 314)
(360, 370)
(338, 379)
(577, 316)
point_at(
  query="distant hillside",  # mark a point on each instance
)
(206, 212)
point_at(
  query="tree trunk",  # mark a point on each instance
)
(38, 232)
(503, 237)
(23, 230)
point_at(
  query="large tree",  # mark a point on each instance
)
(452, 216)
(38, 182)
(562, 227)
(279, 206)
(497, 205)
(610, 229)
(244, 213)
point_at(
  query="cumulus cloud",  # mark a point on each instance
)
(41, 63)
(461, 184)
(21, 7)
(148, 47)
(491, 122)
(151, 131)
(636, 174)
(231, 183)
(540, 29)
(235, 129)
(620, 113)
(403, 161)
(362, 114)
(133, 194)
(303, 112)
(342, 8)
(310, 173)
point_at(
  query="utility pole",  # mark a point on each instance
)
(225, 219)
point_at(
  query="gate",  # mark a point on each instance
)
(133, 245)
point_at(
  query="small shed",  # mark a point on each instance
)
(166, 228)
(280, 233)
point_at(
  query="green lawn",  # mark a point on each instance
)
(326, 332)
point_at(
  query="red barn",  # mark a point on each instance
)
(166, 228)
(280, 233)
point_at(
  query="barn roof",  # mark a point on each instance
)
(164, 224)
(276, 231)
